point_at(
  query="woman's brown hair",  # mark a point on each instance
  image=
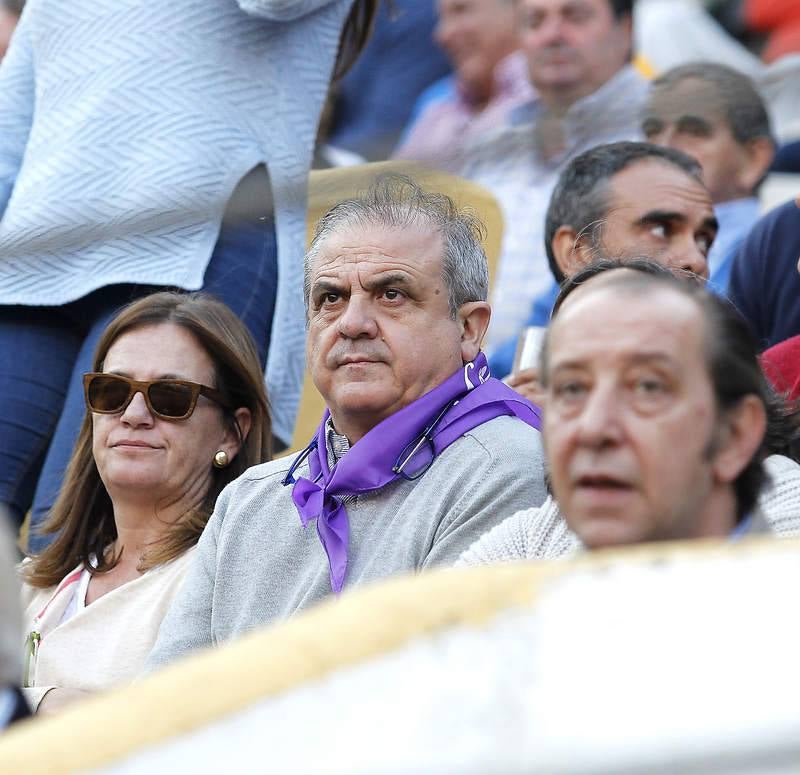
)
(355, 34)
(83, 516)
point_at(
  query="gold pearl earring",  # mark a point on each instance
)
(221, 459)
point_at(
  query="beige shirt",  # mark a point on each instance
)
(103, 644)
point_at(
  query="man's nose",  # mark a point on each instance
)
(689, 258)
(600, 420)
(665, 136)
(136, 412)
(551, 30)
(358, 319)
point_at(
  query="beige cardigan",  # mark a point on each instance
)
(542, 533)
(103, 644)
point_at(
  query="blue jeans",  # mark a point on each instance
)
(44, 352)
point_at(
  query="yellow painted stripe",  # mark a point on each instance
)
(363, 624)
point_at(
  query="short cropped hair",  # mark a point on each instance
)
(396, 202)
(580, 198)
(731, 351)
(745, 109)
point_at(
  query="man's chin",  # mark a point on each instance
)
(564, 76)
(362, 400)
(606, 530)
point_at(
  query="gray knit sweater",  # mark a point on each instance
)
(542, 534)
(255, 563)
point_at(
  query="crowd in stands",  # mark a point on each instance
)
(157, 308)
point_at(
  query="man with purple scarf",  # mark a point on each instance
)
(420, 450)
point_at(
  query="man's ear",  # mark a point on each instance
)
(743, 431)
(473, 317)
(759, 153)
(571, 251)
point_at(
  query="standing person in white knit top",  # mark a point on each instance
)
(654, 424)
(126, 127)
(176, 410)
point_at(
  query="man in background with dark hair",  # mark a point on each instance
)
(630, 198)
(586, 93)
(621, 199)
(716, 115)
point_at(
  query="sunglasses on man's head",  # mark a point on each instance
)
(169, 399)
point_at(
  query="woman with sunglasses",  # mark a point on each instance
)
(176, 409)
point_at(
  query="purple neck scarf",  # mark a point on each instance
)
(415, 435)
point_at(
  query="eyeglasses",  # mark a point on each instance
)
(414, 460)
(169, 399)
(418, 455)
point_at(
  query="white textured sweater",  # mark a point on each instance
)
(105, 643)
(124, 128)
(542, 534)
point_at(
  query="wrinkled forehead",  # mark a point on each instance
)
(614, 317)
(687, 97)
(655, 184)
(416, 243)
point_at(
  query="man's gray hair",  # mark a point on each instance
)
(10, 620)
(397, 202)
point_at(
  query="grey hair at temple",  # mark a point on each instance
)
(580, 198)
(397, 203)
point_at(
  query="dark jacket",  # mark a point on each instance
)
(765, 284)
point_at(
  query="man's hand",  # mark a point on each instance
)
(526, 383)
(57, 699)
